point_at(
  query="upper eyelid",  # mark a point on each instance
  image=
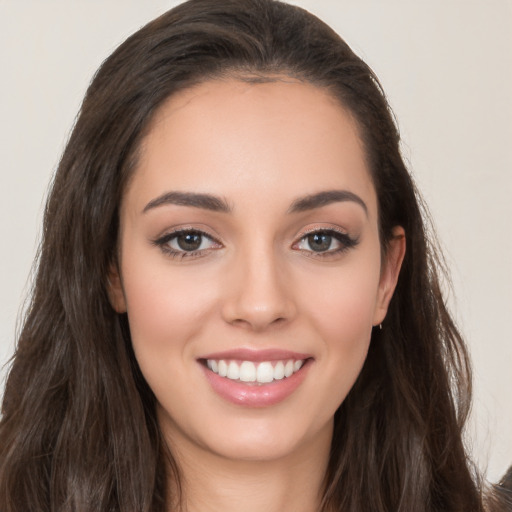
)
(323, 229)
(168, 235)
(345, 238)
(163, 242)
(189, 229)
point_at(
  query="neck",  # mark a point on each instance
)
(212, 483)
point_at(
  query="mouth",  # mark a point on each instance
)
(253, 372)
(255, 378)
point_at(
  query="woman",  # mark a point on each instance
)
(236, 297)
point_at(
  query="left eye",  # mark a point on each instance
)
(188, 241)
(325, 242)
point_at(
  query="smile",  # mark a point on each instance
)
(255, 378)
(263, 372)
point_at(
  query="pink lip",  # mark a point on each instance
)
(252, 394)
(257, 356)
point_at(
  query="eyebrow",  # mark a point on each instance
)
(219, 204)
(324, 198)
(204, 201)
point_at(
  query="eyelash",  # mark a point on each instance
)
(344, 239)
(164, 241)
(346, 243)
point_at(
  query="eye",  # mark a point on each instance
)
(326, 241)
(318, 242)
(186, 243)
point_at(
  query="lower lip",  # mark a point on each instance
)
(253, 394)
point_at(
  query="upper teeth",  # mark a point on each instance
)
(248, 371)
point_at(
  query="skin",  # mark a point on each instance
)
(256, 283)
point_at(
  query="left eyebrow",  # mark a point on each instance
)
(324, 198)
(203, 201)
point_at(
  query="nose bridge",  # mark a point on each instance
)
(258, 295)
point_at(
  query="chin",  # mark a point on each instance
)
(257, 446)
(249, 438)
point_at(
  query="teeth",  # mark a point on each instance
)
(288, 368)
(279, 371)
(265, 373)
(233, 371)
(213, 365)
(248, 371)
(223, 368)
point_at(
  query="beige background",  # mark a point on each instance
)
(447, 68)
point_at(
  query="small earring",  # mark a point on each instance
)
(380, 327)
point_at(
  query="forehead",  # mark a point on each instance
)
(278, 139)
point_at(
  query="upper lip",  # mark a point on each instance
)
(269, 354)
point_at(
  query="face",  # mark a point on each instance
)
(250, 266)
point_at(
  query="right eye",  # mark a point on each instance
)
(186, 243)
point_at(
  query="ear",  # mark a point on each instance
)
(115, 289)
(390, 270)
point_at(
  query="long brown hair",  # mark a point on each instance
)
(79, 431)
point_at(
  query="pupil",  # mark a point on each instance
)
(319, 242)
(189, 241)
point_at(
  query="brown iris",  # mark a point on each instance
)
(189, 241)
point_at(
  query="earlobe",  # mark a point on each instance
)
(390, 271)
(115, 289)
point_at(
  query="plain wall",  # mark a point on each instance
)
(446, 66)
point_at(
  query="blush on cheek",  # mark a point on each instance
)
(166, 310)
(348, 307)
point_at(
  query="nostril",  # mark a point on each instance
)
(257, 300)
(258, 324)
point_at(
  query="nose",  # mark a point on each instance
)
(258, 294)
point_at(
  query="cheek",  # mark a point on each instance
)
(343, 320)
(166, 309)
(343, 302)
(340, 306)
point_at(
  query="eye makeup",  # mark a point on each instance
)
(325, 242)
(320, 242)
(186, 243)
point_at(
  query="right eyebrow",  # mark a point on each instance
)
(195, 200)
